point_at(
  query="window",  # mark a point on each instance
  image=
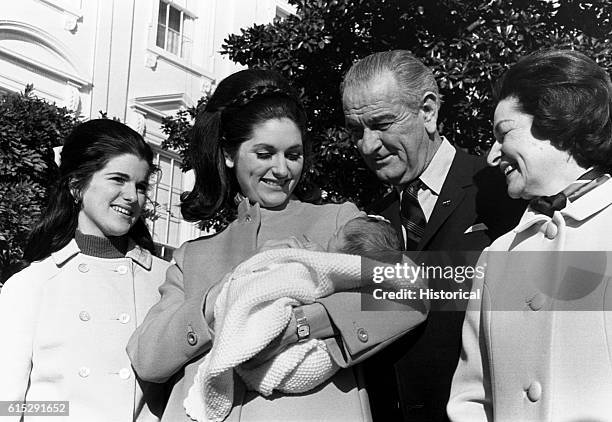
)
(173, 28)
(166, 228)
(281, 14)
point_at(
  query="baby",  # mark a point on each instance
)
(368, 236)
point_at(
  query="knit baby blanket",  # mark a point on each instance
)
(253, 308)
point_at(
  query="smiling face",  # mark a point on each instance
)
(396, 142)
(268, 166)
(114, 197)
(533, 167)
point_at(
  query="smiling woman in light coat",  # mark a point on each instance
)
(537, 347)
(65, 320)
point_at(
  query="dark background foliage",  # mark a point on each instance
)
(29, 129)
(468, 44)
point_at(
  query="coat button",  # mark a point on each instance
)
(192, 338)
(124, 318)
(534, 392)
(83, 268)
(84, 372)
(362, 335)
(248, 219)
(537, 302)
(84, 316)
(125, 373)
(551, 230)
(122, 269)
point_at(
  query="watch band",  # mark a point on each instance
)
(303, 328)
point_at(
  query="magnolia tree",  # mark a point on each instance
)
(468, 44)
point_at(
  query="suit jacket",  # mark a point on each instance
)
(416, 371)
(525, 357)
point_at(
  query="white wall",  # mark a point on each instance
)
(100, 55)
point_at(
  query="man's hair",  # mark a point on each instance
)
(370, 237)
(412, 76)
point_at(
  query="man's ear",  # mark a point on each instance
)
(430, 112)
(229, 160)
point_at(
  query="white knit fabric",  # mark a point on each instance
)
(253, 308)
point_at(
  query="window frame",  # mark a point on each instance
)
(183, 38)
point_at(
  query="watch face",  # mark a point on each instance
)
(303, 331)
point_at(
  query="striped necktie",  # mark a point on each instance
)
(412, 216)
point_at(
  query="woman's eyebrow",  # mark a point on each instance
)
(118, 173)
(498, 124)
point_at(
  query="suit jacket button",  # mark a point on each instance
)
(534, 392)
(362, 335)
(192, 338)
(248, 219)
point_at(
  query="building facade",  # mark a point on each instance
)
(135, 60)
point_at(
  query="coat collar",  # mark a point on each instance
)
(584, 207)
(137, 254)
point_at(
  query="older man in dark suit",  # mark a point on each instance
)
(444, 200)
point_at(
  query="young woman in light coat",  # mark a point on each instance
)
(249, 153)
(537, 347)
(65, 320)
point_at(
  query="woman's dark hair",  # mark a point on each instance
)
(242, 101)
(89, 147)
(570, 99)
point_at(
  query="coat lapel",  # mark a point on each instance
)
(458, 178)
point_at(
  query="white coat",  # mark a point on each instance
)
(64, 324)
(537, 348)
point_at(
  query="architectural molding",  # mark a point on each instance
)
(177, 61)
(36, 36)
(160, 106)
(68, 11)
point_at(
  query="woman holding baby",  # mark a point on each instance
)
(249, 152)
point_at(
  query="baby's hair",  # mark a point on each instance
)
(370, 237)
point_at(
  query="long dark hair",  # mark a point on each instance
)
(240, 102)
(89, 147)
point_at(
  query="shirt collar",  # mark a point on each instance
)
(137, 254)
(435, 173)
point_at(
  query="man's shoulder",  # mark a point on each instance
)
(483, 176)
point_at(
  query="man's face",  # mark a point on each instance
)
(395, 140)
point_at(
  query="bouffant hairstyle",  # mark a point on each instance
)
(569, 97)
(240, 102)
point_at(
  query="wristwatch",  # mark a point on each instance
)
(303, 329)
